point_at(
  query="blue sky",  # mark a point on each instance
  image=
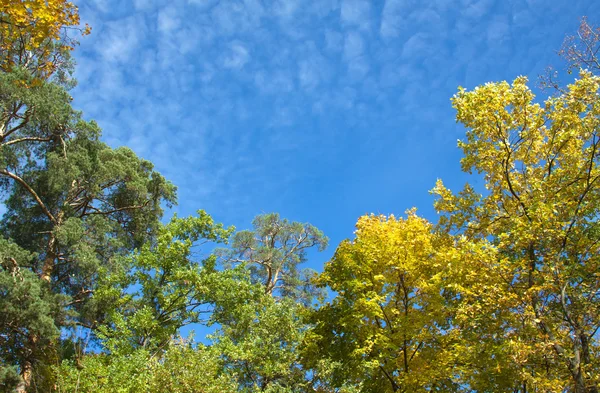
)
(320, 110)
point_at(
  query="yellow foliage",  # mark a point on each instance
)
(390, 318)
(504, 293)
(540, 211)
(26, 26)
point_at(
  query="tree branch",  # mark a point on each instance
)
(26, 139)
(31, 191)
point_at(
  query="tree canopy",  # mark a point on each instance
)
(97, 286)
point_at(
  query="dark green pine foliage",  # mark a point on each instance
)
(28, 310)
(74, 202)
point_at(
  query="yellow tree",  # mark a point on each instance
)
(388, 329)
(540, 210)
(32, 34)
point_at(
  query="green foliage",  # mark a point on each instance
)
(180, 369)
(28, 310)
(273, 251)
(32, 117)
(77, 204)
(260, 343)
(171, 289)
(262, 317)
(9, 379)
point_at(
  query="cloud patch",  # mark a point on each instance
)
(243, 103)
(356, 13)
(237, 57)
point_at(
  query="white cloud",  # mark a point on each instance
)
(232, 17)
(426, 19)
(168, 20)
(323, 7)
(333, 40)
(254, 9)
(142, 5)
(417, 47)
(283, 116)
(102, 5)
(237, 57)
(111, 81)
(358, 68)
(308, 74)
(201, 70)
(314, 69)
(399, 74)
(85, 70)
(353, 45)
(523, 18)
(121, 39)
(277, 82)
(392, 18)
(498, 31)
(207, 73)
(286, 9)
(476, 9)
(203, 4)
(356, 12)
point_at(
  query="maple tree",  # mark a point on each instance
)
(539, 163)
(33, 34)
(388, 327)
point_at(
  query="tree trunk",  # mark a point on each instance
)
(48, 266)
(27, 367)
(46, 276)
(585, 361)
(26, 374)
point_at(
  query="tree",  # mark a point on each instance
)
(164, 288)
(32, 115)
(263, 317)
(388, 329)
(273, 251)
(33, 35)
(27, 310)
(75, 202)
(180, 369)
(259, 341)
(579, 51)
(540, 168)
